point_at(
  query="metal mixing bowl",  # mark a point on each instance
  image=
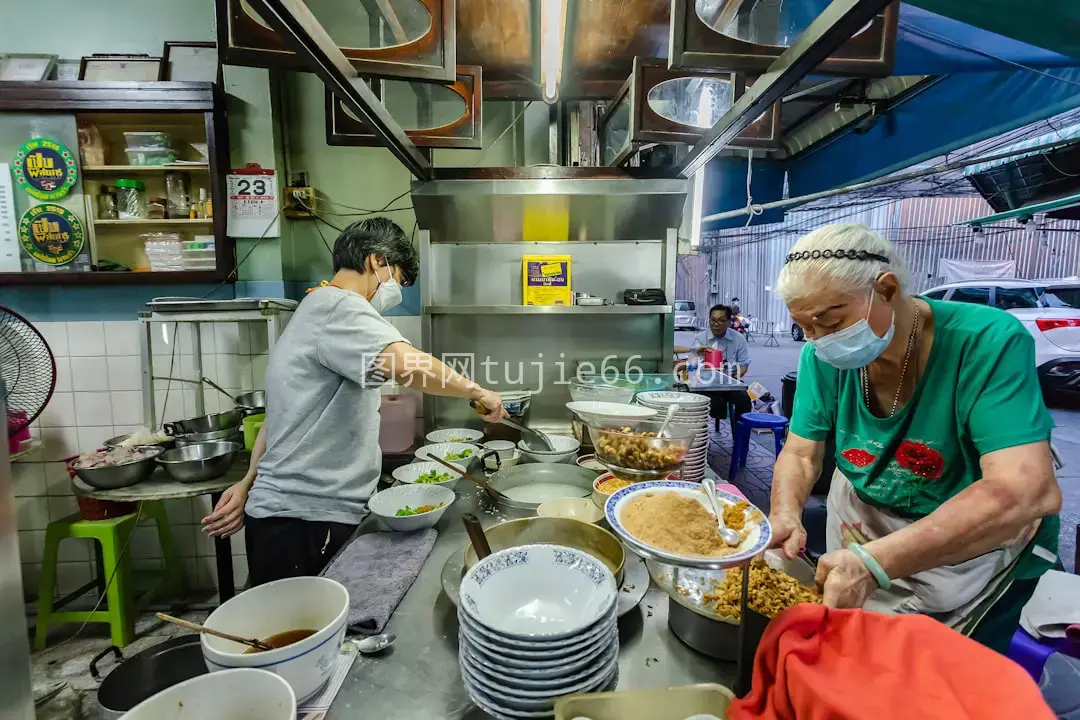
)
(118, 476)
(120, 439)
(255, 400)
(230, 435)
(228, 420)
(199, 462)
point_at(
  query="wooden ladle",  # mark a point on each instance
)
(483, 484)
(257, 644)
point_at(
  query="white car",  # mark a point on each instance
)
(685, 315)
(1049, 309)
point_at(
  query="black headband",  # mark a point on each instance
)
(841, 254)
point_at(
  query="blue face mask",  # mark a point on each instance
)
(855, 346)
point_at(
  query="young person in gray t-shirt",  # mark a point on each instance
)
(316, 460)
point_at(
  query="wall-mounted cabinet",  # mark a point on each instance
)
(658, 105)
(113, 183)
(391, 38)
(431, 114)
(738, 35)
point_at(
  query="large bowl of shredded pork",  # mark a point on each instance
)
(116, 467)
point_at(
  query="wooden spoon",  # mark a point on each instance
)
(476, 536)
(257, 644)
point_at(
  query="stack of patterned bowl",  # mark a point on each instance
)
(693, 413)
(536, 622)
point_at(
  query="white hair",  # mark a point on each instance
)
(803, 276)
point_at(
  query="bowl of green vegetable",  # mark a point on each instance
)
(453, 452)
(405, 508)
(428, 472)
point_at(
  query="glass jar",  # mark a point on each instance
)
(106, 204)
(131, 200)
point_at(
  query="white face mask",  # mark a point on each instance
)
(387, 295)
(855, 346)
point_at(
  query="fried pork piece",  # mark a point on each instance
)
(771, 591)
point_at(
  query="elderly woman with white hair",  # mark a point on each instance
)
(944, 500)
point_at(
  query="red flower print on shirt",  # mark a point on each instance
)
(858, 457)
(920, 459)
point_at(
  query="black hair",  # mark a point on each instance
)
(734, 299)
(376, 236)
(721, 308)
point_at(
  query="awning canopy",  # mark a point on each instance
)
(1054, 136)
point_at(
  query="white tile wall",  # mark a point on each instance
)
(99, 394)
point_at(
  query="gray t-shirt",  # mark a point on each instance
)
(322, 458)
(732, 343)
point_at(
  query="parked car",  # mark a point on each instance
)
(685, 315)
(1049, 309)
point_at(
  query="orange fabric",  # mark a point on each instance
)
(815, 663)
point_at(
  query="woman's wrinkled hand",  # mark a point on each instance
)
(490, 406)
(788, 534)
(844, 580)
(228, 516)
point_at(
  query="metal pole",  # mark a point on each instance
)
(838, 22)
(887, 180)
(295, 23)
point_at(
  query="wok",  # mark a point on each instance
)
(147, 673)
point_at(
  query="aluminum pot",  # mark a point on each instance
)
(118, 476)
(120, 439)
(147, 673)
(199, 462)
(231, 435)
(537, 473)
(227, 420)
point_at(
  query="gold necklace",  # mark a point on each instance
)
(864, 374)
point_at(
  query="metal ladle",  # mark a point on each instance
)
(672, 409)
(526, 432)
(727, 534)
(375, 643)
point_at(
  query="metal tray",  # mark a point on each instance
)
(675, 703)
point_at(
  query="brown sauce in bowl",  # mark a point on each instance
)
(283, 639)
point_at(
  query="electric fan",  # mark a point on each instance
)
(27, 374)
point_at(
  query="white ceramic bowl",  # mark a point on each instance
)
(583, 509)
(543, 686)
(498, 642)
(538, 591)
(565, 450)
(441, 450)
(607, 412)
(463, 435)
(589, 462)
(408, 473)
(386, 503)
(528, 670)
(291, 604)
(242, 694)
(663, 398)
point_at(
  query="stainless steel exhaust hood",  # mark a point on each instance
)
(547, 204)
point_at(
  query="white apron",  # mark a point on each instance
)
(956, 595)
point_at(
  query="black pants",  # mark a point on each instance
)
(718, 408)
(280, 547)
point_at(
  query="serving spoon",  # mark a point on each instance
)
(483, 484)
(726, 534)
(375, 643)
(672, 409)
(527, 433)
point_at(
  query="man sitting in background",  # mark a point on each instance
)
(720, 336)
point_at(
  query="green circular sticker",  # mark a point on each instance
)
(51, 234)
(45, 169)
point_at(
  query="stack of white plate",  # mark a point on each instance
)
(537, 622)
(694, 413)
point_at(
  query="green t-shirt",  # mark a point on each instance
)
(979, 393)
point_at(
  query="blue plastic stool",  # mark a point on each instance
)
(747, 422)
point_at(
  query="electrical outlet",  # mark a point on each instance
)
(299, 202)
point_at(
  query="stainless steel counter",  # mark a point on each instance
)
(418, 677)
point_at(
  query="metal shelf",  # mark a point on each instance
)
(547, 310)
(171, 167)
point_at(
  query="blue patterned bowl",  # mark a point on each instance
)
(538, 591)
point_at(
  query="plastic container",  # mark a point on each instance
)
(677, 703)
(131, 203)
(252, 424)
(148, 139)
(149, 156)
(714, 357)
(397, 427)
(106, 204)
(164, 251)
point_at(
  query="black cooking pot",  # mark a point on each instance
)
(145, 674)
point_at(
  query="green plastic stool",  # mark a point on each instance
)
(112, 562)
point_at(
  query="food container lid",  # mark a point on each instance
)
(126, 183)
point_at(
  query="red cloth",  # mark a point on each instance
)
(815, 663)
